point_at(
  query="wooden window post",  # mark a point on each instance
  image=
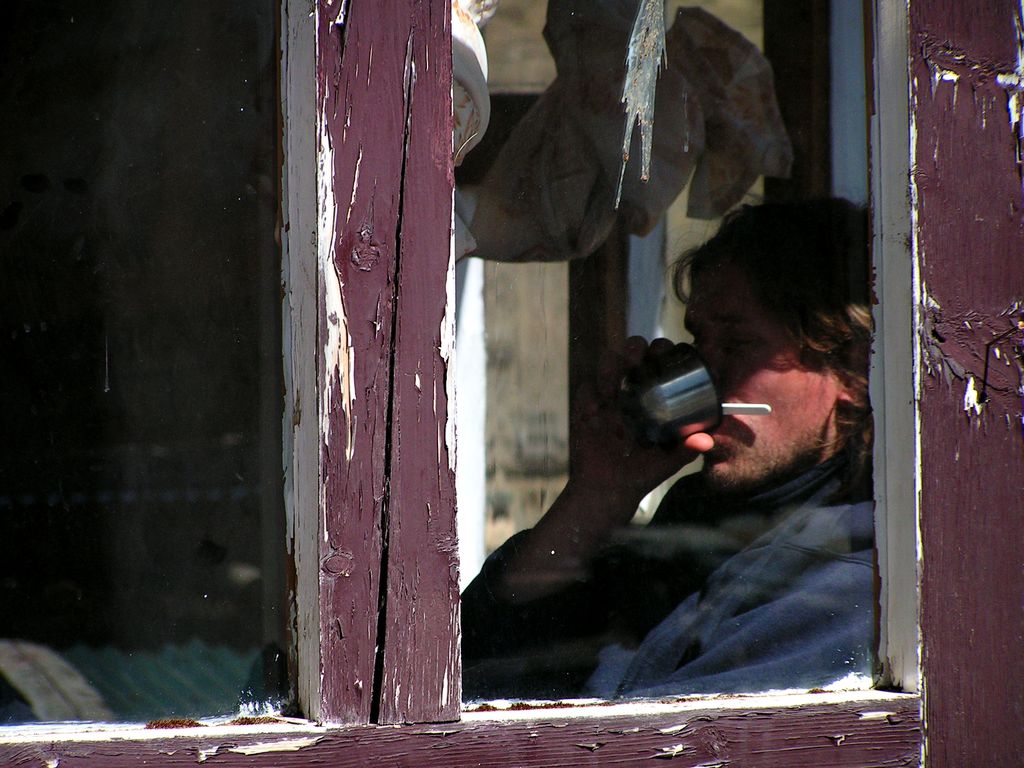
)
(967, 97)
(388, 576)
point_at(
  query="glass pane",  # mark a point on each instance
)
(141, 522)
(691, 515)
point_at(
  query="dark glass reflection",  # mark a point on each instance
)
(141, 521)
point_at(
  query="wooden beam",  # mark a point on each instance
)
(871, 730)
(967, 64)
(301, 429)
(896, 460)
(388, 575)
(360, 69)
(420, 672)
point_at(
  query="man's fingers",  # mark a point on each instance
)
(661, 346)
(701, 442)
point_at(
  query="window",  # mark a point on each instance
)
(141, 512)
(560, 609)
(418, 668)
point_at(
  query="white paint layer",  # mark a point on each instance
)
(592, 708)
(1014, 82)
(286, 745)
(300, 427)
(447, 334)
(337, 351)
(971, 400)
(894, 377)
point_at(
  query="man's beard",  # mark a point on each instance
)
(746, 472)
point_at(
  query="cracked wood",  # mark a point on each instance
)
(388, 599)
(852, 734)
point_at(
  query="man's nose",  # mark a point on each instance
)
(722, 370)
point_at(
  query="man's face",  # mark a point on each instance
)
(753, 359)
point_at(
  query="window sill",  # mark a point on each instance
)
(857, 728)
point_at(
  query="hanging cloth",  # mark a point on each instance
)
(550, 194)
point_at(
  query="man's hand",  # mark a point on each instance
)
(608, 455)
(612, 473)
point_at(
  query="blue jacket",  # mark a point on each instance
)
(793, 609)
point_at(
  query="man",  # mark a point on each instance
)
(776, 318)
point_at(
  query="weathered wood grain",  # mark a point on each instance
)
(969, 242)
(301, 427)
(361, 96)
(882, 733)
(420, 672)
(388, 553)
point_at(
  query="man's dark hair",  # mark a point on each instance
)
(807, 265)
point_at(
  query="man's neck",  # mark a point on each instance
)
(792, 486)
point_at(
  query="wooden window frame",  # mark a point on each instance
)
(369, 480)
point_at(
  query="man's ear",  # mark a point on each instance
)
(844, 396)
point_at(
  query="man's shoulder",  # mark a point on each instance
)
(818, 525)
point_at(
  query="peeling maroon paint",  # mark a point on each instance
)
(981, 31)
(389, 587)
(421, 665)
(854, 735)
(362, 106)
(970, 237)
